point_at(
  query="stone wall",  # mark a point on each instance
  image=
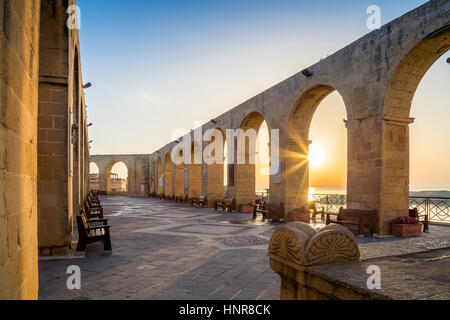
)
(19, 62)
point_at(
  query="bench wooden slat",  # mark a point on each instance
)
(89, 234)
(364, 219)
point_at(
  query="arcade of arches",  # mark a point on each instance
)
(44, 157)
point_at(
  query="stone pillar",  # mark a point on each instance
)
(195, 180)
(214, 183)
(19, 61)
(55, 153)
(179, 180)
(168, 178)
(394, 191)
(294, 176)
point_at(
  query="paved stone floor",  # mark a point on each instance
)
(162, 250)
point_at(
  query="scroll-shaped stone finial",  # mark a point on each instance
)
(299, 243)
(289, 242)
(333, 244)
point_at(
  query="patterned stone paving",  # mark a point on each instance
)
(163, 250)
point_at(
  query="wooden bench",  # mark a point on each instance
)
(93, 220)
(93, 212)
(259, 207)
(313, 207)
(227, 204)
(88, 234)
(362, 219)
(181, 199)
(274, 211)
(169, 197)
(93, 202)
(423, 218)
(201, 201)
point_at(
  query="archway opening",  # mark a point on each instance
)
(159, 177)
(250, 175)
(327, 155)
(262, 163)
(429, 146)
(316, 151)
(94, 178)
(398, 128)
(118, 178)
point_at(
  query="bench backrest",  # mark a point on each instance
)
(414, 213)
(275, 208)
(228, 201)
(82, 224)
(353, 215)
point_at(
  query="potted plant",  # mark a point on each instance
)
(246, 208)
(406, 227)
(300, 214)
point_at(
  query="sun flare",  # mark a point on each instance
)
(316, 156)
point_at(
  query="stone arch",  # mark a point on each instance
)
(195, 176)
(394, 197)
(410, 71)
(297, 142)
(111, 184)
(159, 176)
(168, 177)
(94, 176)
(243, 187)
(213, 187)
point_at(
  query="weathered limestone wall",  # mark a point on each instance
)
(19, 62)
(54, 146)
(63, 145)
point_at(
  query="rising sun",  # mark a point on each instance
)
(316, 156)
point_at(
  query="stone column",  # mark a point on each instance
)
(19, 62)
(214, 183)
(55, 153)
(294, 176)
(394, 191)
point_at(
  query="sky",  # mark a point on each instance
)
(160, 66)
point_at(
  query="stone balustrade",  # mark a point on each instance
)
(296, 248)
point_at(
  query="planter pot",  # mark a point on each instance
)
(407, 230)
(301, 216)
(246, 209)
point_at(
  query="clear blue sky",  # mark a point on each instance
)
(157, 66)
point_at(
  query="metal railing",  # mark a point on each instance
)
(330, 202)
(438, 209)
